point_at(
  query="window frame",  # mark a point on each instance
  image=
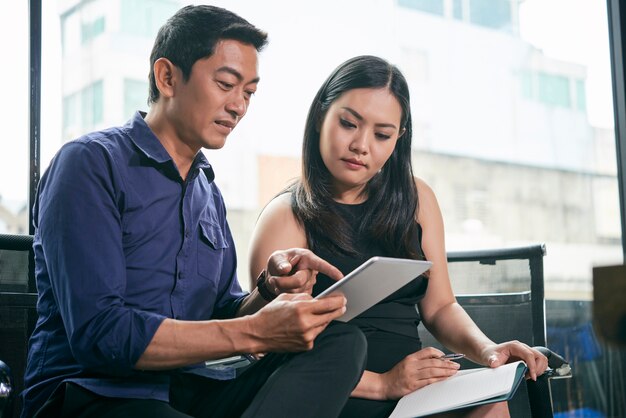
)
(34, 146)
(617, 43)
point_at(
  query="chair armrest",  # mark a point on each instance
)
(558, 367)
(539, 395)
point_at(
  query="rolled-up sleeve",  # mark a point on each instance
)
(79, 227)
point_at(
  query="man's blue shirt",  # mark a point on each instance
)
(121, 243)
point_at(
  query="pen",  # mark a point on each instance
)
(452, 356)
(251, 357)
(227, 361)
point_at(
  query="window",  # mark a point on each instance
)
(86, 106)
(553, 89)
(429, 6)
(494, 14)
(71, 106)
(457, 9)
(90, 30)
(581, 95)
(91, 104)
(145, 17)
(135, 96)
(14, 118)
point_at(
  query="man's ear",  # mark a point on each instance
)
(165, 75)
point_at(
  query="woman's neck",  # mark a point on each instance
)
(352, 196)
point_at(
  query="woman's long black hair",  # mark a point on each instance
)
(392, 200)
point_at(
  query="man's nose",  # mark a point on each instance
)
(237, 106)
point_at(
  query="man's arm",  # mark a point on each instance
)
(79, 227)
(289, 323)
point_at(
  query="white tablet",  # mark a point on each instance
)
(373, 281)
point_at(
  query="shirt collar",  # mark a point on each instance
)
(200, 162)
(143, 137)
(147, 142)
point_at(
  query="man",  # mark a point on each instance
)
(135, 262)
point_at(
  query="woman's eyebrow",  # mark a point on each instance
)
(359, 117)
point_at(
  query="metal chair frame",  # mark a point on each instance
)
(539, 393)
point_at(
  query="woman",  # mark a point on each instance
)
(357, 198)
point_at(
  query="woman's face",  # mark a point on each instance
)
(357, 136)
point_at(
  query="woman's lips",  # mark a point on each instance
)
(353, 164)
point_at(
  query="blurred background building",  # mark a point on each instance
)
(501, 130)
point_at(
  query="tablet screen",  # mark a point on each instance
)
(373, 281)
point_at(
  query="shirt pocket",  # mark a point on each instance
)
(212, 247)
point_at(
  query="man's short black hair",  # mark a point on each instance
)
(192, 33)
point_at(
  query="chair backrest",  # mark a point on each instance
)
(18, 300)
(502, 291)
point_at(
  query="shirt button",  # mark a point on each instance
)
(187, 233)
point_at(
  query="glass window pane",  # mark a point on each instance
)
(581, 95)
(145, 17)
(491, 13)
(513, 123)
(91, 106)
(90, 30)
(135, 96)
(457, 9)
(554, 89)
(429, 6)
(14, 118)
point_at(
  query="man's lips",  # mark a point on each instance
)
(227, 123)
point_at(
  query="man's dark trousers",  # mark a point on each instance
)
(315, 383)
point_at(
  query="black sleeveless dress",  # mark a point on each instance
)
(390, 326)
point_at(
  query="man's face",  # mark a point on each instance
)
(207, 107)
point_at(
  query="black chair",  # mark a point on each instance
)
(18, 300)
(6, 388)
(502, 290)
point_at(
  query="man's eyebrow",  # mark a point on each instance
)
(237, 74)
(359, 117)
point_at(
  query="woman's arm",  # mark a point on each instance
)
(276, 228)
(443, 316)
(415, 371)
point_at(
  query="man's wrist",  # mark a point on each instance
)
(382, 387)
(263, 288)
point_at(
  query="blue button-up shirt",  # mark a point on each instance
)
(121, 243)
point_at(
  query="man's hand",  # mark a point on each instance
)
(292, 322)
(295, 271)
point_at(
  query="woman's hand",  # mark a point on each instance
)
(416, 371)
(510, 351)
